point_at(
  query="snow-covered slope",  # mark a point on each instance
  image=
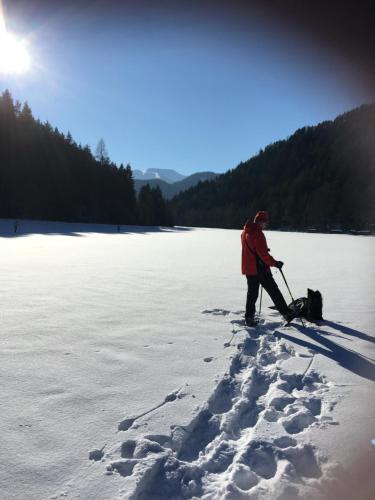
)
(127, 371)
(164, 174)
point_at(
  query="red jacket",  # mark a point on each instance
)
(252, 234)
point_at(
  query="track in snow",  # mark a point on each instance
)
(246, 441)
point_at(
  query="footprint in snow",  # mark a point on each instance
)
(292, 399)
(285, 442)
(123, 467)
(216, 312)
(96, 455)
(124, 425)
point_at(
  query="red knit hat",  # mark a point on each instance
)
(261, 216)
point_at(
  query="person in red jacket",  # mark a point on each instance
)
(256, 263)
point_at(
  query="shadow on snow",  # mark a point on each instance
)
(346, 358)
(27, 228)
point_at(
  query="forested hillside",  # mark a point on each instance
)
(44, 174)
(321, 176)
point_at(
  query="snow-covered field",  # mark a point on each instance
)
(126, 372)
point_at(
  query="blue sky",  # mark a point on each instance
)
(174, 88)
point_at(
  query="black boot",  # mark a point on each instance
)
(250, 321)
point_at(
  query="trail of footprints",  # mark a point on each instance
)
(227, 451)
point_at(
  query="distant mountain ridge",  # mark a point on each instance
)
(169, 190)
(163, 174)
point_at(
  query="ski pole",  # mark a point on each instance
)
(260, 303)
(290, 293)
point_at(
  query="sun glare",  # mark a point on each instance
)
(14, 57)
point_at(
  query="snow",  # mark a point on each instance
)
(127, 371)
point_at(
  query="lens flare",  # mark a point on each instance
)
(14, 57)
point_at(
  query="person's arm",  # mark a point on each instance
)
(262, 250)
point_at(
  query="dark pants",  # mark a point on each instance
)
(269, 284)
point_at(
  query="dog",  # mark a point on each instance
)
(310, 307)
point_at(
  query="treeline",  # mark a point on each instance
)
(321, 177)
(45, 175)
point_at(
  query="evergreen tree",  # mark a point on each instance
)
(25, 114)
(152, 207)
(101, 153)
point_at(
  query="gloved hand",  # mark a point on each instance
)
(279, 264)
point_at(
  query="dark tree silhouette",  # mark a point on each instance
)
(321, 177)
(46, 175)
(152, 207)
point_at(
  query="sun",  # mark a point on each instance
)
(14, 57)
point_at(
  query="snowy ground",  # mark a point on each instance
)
(126, 371)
